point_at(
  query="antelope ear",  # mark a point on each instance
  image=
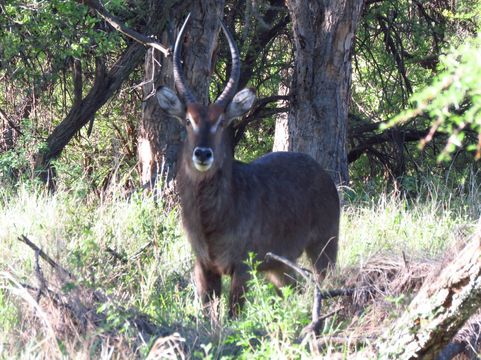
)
(240, 104)
(170, 103)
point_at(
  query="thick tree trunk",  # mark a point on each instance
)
(160, 136)
(317, 121)
(439, 310)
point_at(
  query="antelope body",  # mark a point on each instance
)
(283, 202)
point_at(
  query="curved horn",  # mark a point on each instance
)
(179, 78)
(231, 87)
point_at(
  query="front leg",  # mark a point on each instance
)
(208, 284)
(238, 288)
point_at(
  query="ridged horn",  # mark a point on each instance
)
(179, 77)
(231, 87)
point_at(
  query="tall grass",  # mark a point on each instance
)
(396, 223)
(134, 251)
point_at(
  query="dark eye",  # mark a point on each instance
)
(187, 122)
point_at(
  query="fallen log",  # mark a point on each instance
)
(438, 311)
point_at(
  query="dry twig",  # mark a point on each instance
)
(319, 294)
(81, 303)
(44, 256)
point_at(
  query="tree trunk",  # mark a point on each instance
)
(9, 132)
(105, 85)
(439, 310)
(160, 136)
(281, 138)
(317, 121)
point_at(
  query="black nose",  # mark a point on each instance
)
(203, 154)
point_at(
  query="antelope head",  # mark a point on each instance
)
(206, 144)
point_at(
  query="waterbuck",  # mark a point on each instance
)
(283, 202)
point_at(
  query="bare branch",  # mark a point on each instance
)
(326, 294)
(41, 279)
(319, 295)
(4, 117)
(119, 26)
(44, 256)
(260, 110)
(77, 81)
(303, 272)
(141, 250)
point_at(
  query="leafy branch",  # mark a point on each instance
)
(452, 101)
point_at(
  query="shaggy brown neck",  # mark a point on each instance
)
(206, 199)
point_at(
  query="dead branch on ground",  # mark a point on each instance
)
(81, 304)
(319, 295)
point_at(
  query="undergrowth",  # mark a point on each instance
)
(132, 251)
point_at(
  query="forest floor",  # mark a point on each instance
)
(113, 278)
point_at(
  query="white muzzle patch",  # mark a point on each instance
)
(203, 158)
(203, 166)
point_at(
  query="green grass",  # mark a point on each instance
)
(154, 272)
(391, 223)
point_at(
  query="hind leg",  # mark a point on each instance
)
(238, 288)
(281, 276)
(322, 255)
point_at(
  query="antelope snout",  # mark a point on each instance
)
(203, 158)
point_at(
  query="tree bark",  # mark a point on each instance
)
(9, 132)
(317, 121)
(160, 136)
(281, 131)
(439, 310)
(105, 85)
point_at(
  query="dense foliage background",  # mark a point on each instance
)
(406, 52)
